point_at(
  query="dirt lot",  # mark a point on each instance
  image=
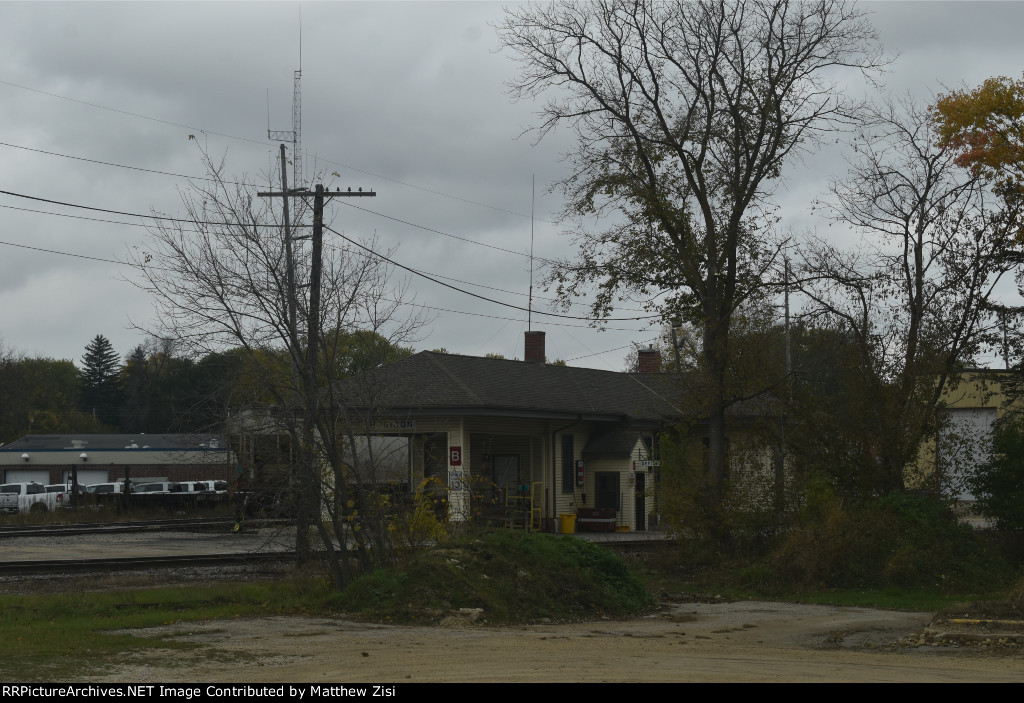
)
(743, 641)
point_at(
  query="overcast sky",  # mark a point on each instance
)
(404, 98)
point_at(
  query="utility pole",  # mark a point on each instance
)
(317, 255)
(305, 382)
(316, 267)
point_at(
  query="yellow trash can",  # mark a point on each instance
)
(568, 523)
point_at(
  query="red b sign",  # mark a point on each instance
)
(455, 456)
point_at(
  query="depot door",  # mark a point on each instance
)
(606, 489)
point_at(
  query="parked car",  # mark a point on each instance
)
(28, 497)
(157, 487)
(100, 488)
(64, 488)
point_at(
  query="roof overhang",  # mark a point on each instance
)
(622, 419)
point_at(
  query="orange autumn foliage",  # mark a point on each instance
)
(986, 127)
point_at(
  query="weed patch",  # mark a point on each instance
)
(511, 577)
(75, 634)
(897, 541)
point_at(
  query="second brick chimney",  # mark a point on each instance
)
(534, 347)
(648, 360)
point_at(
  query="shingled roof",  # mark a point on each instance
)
(163, 442)
(434, 383)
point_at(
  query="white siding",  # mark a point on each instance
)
(963, 444)
(752, 473)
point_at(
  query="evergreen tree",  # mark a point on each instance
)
(101, 390)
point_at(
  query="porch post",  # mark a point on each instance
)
(458, 473)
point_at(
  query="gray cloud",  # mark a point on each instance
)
(413, 92)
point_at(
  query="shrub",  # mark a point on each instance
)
(998, 484)
(896, 540)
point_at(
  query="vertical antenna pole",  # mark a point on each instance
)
(297, 178)
(529, 307)
(297, 174)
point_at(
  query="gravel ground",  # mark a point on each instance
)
(743, 641)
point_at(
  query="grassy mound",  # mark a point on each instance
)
(511, 577)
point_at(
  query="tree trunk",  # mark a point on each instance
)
(717, 455)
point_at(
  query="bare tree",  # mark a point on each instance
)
(685, 112)
(219, 279)
(917, 297)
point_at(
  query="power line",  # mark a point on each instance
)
(171, 219)
(162, 218)
(262, 143)
(511, 319)
(133, 168)
(78, 217)
(427, 307)
(427, 190)
(134, 114)
(446, 234)
(62, 253)
(481, 297)
(609, 351)
(551, 262)
(350, 241)
(142, 224)
(503, 290)
(510, 292)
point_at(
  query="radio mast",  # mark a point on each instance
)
(295, 134)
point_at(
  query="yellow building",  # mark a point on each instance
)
(972, 405)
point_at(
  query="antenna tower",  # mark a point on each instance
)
(295, 134)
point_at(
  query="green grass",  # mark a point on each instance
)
(754, 577)
(890, 599)
(72, 634)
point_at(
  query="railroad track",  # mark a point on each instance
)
(168, 525)
(106, 564)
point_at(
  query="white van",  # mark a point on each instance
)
(157, 487)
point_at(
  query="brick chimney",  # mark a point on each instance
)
(648, 360)
(534, 347)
